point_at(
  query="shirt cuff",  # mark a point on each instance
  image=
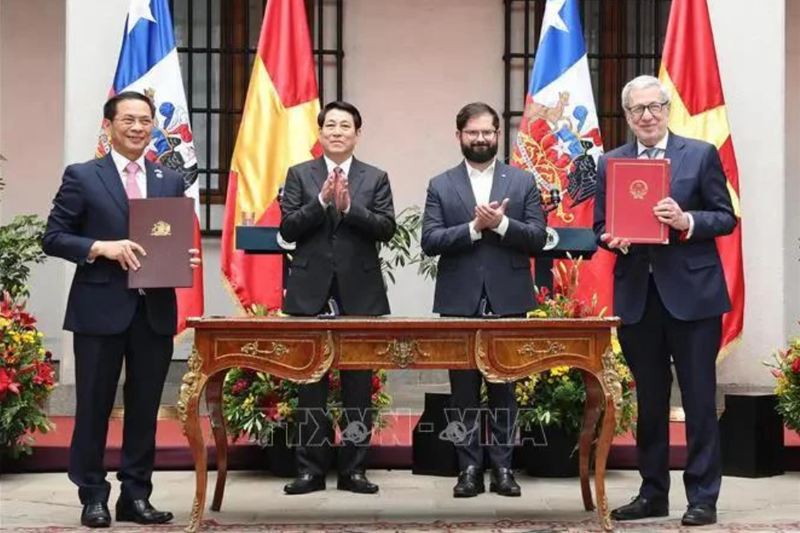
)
(346, 211)
(689, 231)
(502, 227)
(474, 234)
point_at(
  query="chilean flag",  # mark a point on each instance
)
(148, 64)
(559, 138)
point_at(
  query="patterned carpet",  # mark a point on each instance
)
(502, 526)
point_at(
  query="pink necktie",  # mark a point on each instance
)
(131, 185)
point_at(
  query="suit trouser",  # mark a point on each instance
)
(315, 434)
(98, 362)
(693, 345)
(465, 403)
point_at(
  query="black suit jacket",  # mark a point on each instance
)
(91, 205)
(347, 247)
(501, 265)
(688, 273)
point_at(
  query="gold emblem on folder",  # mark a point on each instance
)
(161, 229)
(638, 189)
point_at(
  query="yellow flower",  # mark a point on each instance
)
(40, 334)
(537, 313)
(42, 351)
(559, 371)
(4, 322)
(284, 409)
(615, 345)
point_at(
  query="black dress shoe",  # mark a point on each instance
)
(701, 514)
(141, 512)
(95, 515)
(304, 484)
(356, 482)
(470, 483)
(503, 483)
(640, 507)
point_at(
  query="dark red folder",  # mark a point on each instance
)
(164, 227)
(633, 188)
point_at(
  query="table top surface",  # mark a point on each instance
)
(362, 323)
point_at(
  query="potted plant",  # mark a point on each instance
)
(263, 408)
(26, 372)
(551, 404)
(785, 366)
(26, 379)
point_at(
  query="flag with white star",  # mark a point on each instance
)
(559, 138)
(148, 64)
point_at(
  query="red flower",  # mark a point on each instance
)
(44, 374)
(240, 386)
(796, 366)
(542, 296)
(7, 383)
(376, 383)
(631, 385)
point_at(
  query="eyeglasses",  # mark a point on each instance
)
(129, 121)
(473, 135)
(655, 108)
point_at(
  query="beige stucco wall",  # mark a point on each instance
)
(409, 66)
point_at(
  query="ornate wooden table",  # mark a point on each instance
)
(303, 349)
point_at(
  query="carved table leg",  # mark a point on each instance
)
(594, 408)
(214, 404)
(613, 403)
(189, 411)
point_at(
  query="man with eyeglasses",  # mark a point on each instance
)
(484, 219)
(336, 209)
(671, 299)
(111, 323)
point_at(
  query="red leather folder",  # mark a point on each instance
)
(164, 227)
(633, 188)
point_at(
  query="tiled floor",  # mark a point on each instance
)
(35, 500)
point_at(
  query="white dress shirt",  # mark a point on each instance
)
(661, 154)
(120, 161)
(345, 166)
(481, 181)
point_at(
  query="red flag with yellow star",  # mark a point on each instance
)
(690, 73)
(278, 130)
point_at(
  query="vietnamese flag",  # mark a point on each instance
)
(690, 73)
(278, 130)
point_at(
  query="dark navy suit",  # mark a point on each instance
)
(671, 299)
(493, 267)
(110, 323)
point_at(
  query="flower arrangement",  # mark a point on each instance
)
(786, 369)
(564, 302)
(255, 404)
(26, 379)
(556, 397)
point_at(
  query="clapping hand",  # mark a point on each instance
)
(342, 194)
(490, 216)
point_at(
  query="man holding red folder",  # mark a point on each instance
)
(671, 298)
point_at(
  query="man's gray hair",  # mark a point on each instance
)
(643, 82)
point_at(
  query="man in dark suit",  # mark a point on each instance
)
(88, 226)
(336, 209)
(671, 299)
(484, 219)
